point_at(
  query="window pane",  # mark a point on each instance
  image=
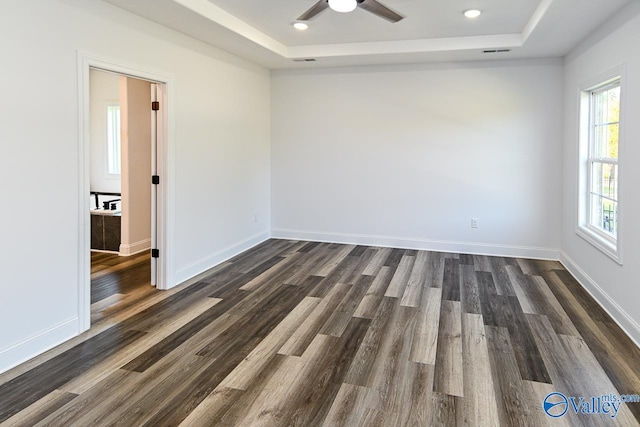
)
(604, 215)
(604, 180)
(113, 139)
(596, 211)
(610, 214)
(605, 144)
(607, 106)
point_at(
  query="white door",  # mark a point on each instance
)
(155, 131)
(158, 168)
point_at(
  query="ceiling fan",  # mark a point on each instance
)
(372, 6)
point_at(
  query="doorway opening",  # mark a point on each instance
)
(122, 152)
(124, 136)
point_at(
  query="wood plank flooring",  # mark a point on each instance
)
(118, 283)
(319, 334)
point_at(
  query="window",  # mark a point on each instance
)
(599, 216)
(603, 159)
(113, 140)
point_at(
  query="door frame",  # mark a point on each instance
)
(166, 168)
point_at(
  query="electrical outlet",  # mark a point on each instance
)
(475, 223)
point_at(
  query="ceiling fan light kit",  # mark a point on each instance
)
(472, 13)
(343, 5)
(371, 6)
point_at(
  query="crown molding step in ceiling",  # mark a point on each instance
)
(351, 32)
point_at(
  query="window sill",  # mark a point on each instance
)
(609, 249)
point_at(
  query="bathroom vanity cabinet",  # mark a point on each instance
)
(105, 232)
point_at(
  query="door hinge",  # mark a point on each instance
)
(155, 253)
(155, 105)
(155, 179)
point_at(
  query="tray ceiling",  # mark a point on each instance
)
(432, 30)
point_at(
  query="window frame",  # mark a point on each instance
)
(603, 241)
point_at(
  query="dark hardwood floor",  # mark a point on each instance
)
(310, 334)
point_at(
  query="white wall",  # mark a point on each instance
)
(104, 91)
(222, 155)
(406, 156)
(136, 165)
(615, 286)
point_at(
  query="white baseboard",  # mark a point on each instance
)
(608, 304)
(219, 257)
(135, 248)
(37, 344)
(101, 251)
(420, 244)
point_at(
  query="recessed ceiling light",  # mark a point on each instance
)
(472, 13)
(343, 5)
(300, 26)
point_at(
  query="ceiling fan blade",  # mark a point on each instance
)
(317, 8)
(380, 10)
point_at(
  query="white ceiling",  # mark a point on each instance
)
(433, 30)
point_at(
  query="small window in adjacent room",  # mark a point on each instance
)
(599, 216)
(113, 139)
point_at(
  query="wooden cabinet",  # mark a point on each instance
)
(105, 232)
